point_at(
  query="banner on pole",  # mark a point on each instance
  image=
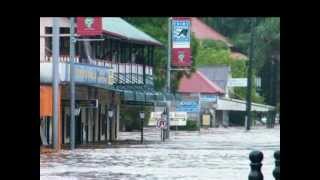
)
(89, 26)
(181, 40)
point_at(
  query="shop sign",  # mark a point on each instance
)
(188, 106)
(208, 98)
(93, 74)
(89, 26)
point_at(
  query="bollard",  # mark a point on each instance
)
(255, 158)
(276, 171)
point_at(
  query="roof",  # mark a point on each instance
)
(238, 56)
(120, 28)
(218, 74)
(203, 31)
(198, 83)
(240, 105)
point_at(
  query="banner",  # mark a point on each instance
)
(89, 26)
(188, 106)
(181, 40)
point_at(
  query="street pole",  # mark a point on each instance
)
(72, 85)
(168, 75)
(55, 78)
(249, 78)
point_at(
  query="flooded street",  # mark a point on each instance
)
(216, 154)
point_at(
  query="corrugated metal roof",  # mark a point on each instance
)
(198, 83)
(119, 27)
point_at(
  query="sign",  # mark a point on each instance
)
(89, 26)
(93, 74)
(181, 51)
(176, 118)
(206, 120)
(237, 82)
(161, 124)
(82, 103)
(208, 98)
(188, 106)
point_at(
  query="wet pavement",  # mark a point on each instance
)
(215, 154)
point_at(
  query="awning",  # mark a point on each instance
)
(229, 104)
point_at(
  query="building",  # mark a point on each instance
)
(199, 97)
(114, 71)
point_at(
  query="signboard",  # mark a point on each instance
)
(237, 82)
(176, 118)
(93, 74)
(83, 103)
(206, 120)
(181, 51)
(208, 98)
(188, 106)
(89, 26)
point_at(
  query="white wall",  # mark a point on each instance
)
(47, 22)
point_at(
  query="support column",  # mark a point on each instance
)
(55, 83)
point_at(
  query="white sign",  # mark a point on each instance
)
(176, 119)
(237, 82)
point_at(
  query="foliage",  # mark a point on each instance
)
(267, 47)
(190, 126)
(130, 116)
(157, 27)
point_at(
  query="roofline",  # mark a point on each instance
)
(242, 101)
(132, 39)
(229, 44)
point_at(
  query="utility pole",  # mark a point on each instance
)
(249, 78)
(168, 76)
(55, 79)
(72, 85)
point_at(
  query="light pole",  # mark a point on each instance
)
(72, 85)
(55, 79)
(142, 122)
(110, 115)
(249, 78)
(168, 76)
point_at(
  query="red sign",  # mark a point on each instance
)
(181, 57)
(89, 26)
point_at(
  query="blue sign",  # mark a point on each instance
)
(181, 33)
(92, 74)
(188, 106)
(208, 98)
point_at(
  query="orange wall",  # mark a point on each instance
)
(45, 100)
(46, 107)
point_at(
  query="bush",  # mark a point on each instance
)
(191, 126)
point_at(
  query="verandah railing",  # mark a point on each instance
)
(125, 68)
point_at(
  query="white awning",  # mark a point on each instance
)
(239, 105)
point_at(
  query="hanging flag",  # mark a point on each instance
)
(89, 26)
(181, 40)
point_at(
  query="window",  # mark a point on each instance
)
(63, 30)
